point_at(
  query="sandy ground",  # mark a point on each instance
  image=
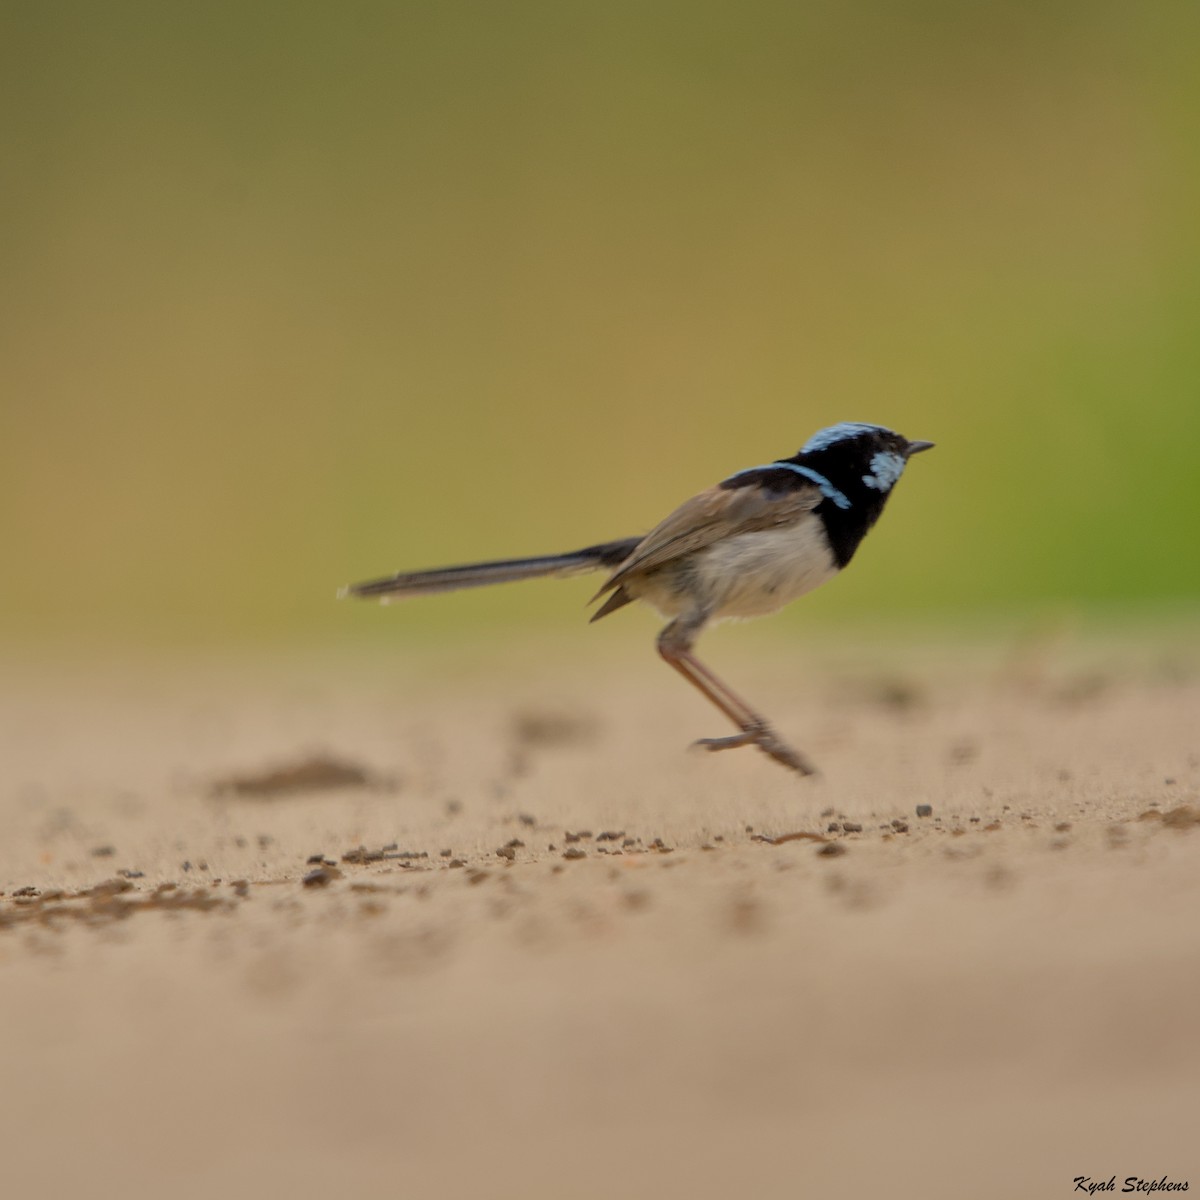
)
(568, 964)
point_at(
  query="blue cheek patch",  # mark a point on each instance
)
(827, 488)
(886, 467)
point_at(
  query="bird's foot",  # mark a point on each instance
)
(766, 739)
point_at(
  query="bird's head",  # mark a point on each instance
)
(857, 458)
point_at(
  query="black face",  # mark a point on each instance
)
(855, 466)
(861, 464)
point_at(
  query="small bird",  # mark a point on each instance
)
(742, 548)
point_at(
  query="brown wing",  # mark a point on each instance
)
(715, 513)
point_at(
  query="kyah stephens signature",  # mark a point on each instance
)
(1133, 1183)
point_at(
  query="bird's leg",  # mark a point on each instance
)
(675, 645)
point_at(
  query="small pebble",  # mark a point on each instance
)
(924, 810)
(321, 877)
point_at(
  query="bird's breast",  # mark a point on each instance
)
(752, 574)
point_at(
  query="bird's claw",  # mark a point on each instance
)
(768, 742)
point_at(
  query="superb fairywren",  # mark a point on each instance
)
(743, 548)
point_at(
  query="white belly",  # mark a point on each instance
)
(748, 575)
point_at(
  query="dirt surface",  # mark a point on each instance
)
(335, 929)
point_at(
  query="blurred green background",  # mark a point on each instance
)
(296, 293)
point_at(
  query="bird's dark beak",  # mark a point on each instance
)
(917, 447)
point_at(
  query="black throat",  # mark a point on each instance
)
(846, 527)
(854, 471)
(849, 504)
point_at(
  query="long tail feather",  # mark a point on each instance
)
(509, 570)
